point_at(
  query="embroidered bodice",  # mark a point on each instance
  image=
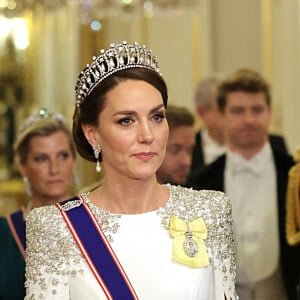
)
(56, 267)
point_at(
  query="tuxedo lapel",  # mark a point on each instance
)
(210, 177)
(198, 156)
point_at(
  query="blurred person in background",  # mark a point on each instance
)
(210, 138)
(46, 160)
(253, 173)
(177, 162)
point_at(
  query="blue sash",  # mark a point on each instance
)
(17, 227)
(96, 249)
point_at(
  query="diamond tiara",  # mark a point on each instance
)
(42, 114)
(118, 57)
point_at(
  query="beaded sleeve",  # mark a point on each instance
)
(49, 255)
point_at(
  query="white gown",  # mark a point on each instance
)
(56, 269)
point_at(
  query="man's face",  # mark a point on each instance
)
(177, 162)
(247, 119)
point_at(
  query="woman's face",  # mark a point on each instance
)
(49, 167)
(132, 130)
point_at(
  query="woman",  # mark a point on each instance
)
(131, 238)
(46, 160)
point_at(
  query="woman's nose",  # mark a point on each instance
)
(53, 165)
(145, 134)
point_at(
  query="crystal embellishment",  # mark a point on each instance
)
(71, 204)
(118, 57)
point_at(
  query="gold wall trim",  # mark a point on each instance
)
(196, 48)
(267, 54)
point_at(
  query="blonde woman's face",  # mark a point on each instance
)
(132, 131)
(49, 166)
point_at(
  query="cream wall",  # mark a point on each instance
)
(237, 35)
(263, 35)
(286, 67)
(217, 36)
(55, 59)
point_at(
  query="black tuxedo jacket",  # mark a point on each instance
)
(212, 177)
(277, 142)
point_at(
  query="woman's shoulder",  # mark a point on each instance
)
(212, 199)
(43, 213)
(48, 212)
(45, 223)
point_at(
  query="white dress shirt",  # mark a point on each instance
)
(211, 149)
(251, 185)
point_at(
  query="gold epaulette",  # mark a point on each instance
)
(293, 203)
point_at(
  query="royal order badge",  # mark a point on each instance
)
(188, 242)
(190, 246)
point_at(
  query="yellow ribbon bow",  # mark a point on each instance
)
(188, 245)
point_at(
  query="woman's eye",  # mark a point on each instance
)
(125, 121)
(158, 117)
(40, 158)
(64, 155)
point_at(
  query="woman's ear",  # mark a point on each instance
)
(22, 170)
(91, 134)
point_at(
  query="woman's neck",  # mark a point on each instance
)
(136, 196)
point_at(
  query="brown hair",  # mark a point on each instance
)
(179, 116)
(243, 80)
(44, 127)
(89, 110)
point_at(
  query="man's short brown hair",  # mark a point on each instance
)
(245, 80)
(179, 116)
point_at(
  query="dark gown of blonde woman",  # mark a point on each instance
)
(12, 264)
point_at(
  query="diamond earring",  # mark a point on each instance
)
(27, 186)
(97, 151)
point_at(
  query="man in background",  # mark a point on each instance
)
(177, 162)
(254, 174)
(210, 139)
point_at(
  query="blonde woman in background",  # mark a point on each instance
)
(46, 160)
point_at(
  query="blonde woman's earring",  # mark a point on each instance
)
(97, 151)
(76, 180)
(27, 186)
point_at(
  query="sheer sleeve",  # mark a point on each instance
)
(46, 261)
